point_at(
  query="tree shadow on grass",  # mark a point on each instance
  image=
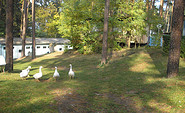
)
(110, 88)
(159, 60)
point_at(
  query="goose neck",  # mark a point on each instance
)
(40, 71)
(55, 69)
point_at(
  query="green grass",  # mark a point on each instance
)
(134, 80)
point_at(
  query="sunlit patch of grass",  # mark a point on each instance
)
(134, 80)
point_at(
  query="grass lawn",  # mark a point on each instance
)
(134, 80)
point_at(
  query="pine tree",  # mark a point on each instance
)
(9, 35)
(175, 42)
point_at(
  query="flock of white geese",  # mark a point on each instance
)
(37, 76)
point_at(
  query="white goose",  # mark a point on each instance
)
(38, 75)
(71, 72)
(25, 72)
(56, 74)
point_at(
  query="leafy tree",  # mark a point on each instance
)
(132, 18)
(82, 23)
(46, 22)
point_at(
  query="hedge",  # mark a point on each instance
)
(166, 39)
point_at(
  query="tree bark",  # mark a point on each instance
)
(105, 33)
(1, 6)
(166, 15)
(33, 29)
(167, 9)
(24, 28)
(148, 25)
(175, 42)
(9, 35)
(161, 8)
(153, 5)
(171, 16)
(21, 26)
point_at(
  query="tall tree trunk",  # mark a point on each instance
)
(171, 17)
(128, 39)
(166, 15)
(147, 5)
(168, 25)
(153, 5)
(33, 29)
(9, 35)
(161, 8)
(148, 26)
(167, 9)
(175, 42)
(24, 28)
(105, 33)
(1, 6)
(21, 26)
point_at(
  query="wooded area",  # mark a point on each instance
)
(92, 56)
(91, 26)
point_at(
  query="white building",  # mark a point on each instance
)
(43, 46)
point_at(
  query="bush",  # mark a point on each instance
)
(166, 45)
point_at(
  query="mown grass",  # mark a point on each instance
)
(134, 80)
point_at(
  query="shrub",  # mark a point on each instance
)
(166, 45)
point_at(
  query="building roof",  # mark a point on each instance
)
(18, 41)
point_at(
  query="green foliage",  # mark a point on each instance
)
(166, 45)
(82, 23)
(183, 47)
(78, 23)
(2, 28)
(154, 19)
(45, 17)
(16, 18)
(132, 18)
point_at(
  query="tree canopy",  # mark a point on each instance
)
(81, 21)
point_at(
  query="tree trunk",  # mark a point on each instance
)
(166, 15)
(128, 38)
(175, 42)
(21, 26)
(148, 25)
(153, 5)
(167, 9)
(105, 33)
(147, 5)
(9, 35)
(171, 17)
(128, 42)
(161, 8)
(24, 28)
(33, 29)
(1, 6)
